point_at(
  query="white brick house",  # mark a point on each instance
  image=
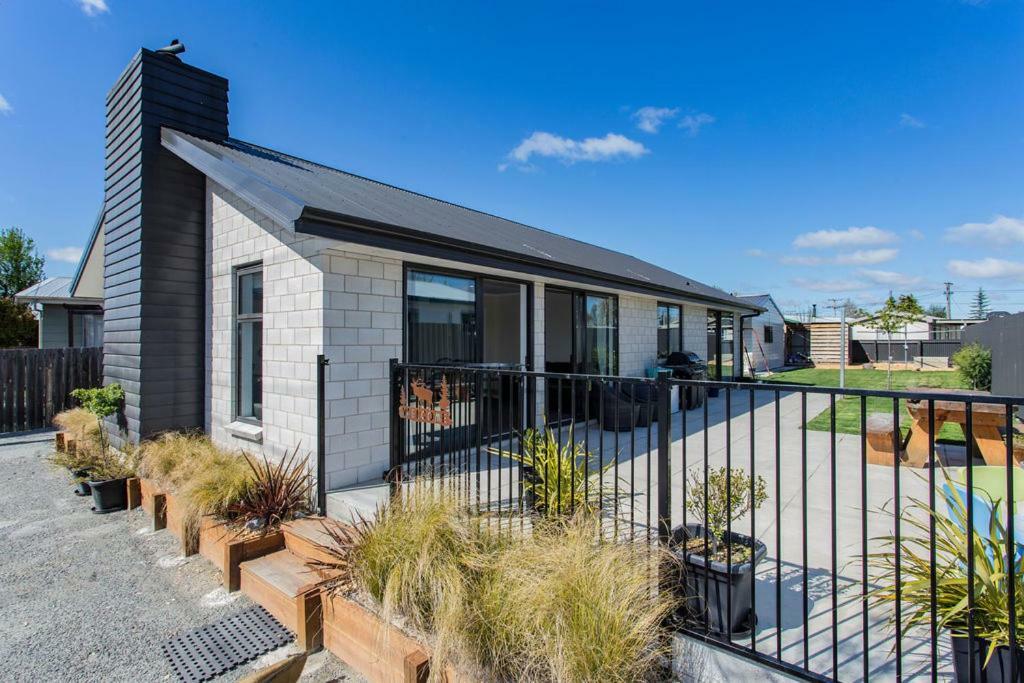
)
(295, 260)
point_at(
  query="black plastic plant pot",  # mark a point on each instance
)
(1000, 668)
(109, 496)
(82, 489)
(961, 647)
(716, 593)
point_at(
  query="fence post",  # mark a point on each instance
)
(321, 434)
(664, 458)
(394, 473)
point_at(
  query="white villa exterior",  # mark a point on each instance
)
(223, 287)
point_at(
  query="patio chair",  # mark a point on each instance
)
(645, 396)
(880, 431)
(989, 489)
(620, 415)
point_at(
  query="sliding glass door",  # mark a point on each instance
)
(468, 320)
(581, 336)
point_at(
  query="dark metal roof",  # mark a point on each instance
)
(311, 197)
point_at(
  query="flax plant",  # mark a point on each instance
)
(562, 477)
(992, 572)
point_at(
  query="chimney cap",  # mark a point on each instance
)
(173, 50)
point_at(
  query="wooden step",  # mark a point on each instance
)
(306, 538)
(286, 588)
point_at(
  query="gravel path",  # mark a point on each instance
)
(87, 597)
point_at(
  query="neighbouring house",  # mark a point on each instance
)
(928, 328)
(70, 309)
(229, 267)
(764, 336)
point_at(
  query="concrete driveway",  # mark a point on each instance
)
(90, 597)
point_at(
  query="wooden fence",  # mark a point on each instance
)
(35, 384)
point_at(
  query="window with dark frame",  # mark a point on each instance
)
(249, 343)
(670, 329)
(769, 334)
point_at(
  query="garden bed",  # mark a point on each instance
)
(377, 650)
(227, 547)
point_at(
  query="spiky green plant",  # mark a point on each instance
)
(992, 572)
(562, 477)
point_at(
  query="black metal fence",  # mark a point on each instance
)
(849, 568)
(912, 351)
(35, 384)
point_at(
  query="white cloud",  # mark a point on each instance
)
(830, 285)
(867, 257)
(851, 237)
(908, 121)
(1001, 230)
(889, 278)
(649, 119)
(93, 8)
(757, 253)
(5, 106)
(694, 122)
(916, 234)
(800, 260)
(987, 268)
(65, 254)
(612, 146)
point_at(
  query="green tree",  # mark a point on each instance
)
(894, 316)
(974, 364)
(20, 267)
(980, 307)
(936, 311)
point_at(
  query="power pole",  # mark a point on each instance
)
(949, 300)
(843, 346)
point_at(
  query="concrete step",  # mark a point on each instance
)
(283, 584)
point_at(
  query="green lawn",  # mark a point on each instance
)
(848, 409)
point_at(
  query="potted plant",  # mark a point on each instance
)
(991, 580)
(718, 566)
(77, 451)
(109, 474)
(108, 482)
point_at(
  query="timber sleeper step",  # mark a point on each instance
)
(289, 590)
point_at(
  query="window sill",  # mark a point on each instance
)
(245, 430)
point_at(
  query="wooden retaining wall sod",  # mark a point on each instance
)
(154, 502)
(175, 521)
(227, 550)
(381, 652)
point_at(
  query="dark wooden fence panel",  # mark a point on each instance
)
(35, 384)
(870, 351)
(1005, 337)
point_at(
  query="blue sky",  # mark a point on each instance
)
(813, 150)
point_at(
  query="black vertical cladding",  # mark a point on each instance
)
(154, 232)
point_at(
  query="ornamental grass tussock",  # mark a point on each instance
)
(550, 603)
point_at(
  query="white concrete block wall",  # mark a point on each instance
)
(363, 329)
(695, 329)
(638, 334)
(237, 235)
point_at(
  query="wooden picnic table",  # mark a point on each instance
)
(987, 418)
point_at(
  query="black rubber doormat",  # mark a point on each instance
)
(207, 652)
